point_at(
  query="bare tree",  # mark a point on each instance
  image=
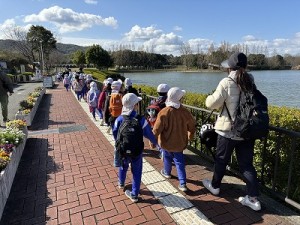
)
(186, 55)
(20, 43)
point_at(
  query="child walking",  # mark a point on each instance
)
(129, 111)
(92, 100)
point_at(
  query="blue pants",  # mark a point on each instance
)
(99, 112)
(244, 152)
(178, 158)
(136, 169)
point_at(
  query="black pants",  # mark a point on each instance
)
(244, 152)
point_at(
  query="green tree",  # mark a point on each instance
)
(78, 58)
(98, 56)
(41, 39)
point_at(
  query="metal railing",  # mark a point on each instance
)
(275, 157)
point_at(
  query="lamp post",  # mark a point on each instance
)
(42, 55)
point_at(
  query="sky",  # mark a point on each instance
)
(162, 26)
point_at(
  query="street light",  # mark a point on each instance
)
(42, 54)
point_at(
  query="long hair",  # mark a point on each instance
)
(244, 80)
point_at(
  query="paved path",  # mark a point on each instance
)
(66, 177)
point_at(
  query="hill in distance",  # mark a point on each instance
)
(8, 45)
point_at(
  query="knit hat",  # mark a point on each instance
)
(129, 101)
(235, 61)
(128, 82)
(174, 96)
(163, 88)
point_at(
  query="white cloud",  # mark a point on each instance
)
(9, 26)
(91, 2)
(200, 44)
(138, 33)
(249, 38)
(177, 28)
(67, 20)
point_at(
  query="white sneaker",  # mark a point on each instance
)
(255, 205)
(207, 184)
(102, 123)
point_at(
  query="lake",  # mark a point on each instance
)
(282, 87)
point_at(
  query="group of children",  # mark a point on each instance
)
(168, 125)
(118, 103)
(171, 139)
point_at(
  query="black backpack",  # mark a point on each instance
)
(106, 106)
(251, 116)
(130, 137)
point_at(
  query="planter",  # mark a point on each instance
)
(29, 117)
(8, 174)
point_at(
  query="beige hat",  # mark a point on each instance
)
(174, 96)
(129, 101)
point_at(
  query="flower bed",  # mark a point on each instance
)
(12, 144)
(30, 106)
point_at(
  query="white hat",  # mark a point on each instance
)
(110, 80)
(128, 82)
(89, 77)
(116, 85)
(93, 84)
(174, 96)
(129, 101)
(163, 88)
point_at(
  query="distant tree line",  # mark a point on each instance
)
(29, 45)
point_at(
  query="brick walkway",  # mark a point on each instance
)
(66, 177)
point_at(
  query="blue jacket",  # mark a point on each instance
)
(147, 132)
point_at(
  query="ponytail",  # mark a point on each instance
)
(244, 80)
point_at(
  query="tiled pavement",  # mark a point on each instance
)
(66, 177)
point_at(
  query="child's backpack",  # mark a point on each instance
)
(93, 100)
(78, 86)
(129, 140)
(115, 105)
(154, 108)
(252, 118)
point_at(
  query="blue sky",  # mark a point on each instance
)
(162, 26)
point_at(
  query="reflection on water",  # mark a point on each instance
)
(281, 87)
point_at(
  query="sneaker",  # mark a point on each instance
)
(101, 123)
(255, 205)
(133, 198)
(182, 187)
(121, 186)
(162, 172)
(207, 184)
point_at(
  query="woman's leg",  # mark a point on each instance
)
(244, 154)
(224, 150)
